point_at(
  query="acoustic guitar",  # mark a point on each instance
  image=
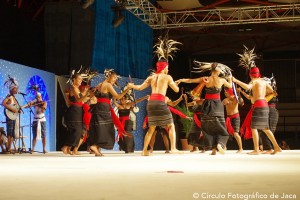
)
(11, 115)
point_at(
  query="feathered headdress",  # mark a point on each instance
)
(164, 50)
(201, 67)
(11, 83)
(271, 81)
(247, 60)
(73, 72)
(88, 75)
(109, 72)
(129, 94)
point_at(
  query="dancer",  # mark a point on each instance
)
(158, 111)
(74, 114)
(212, 113)
(102, 131)
(233, 117)
(272, 99)
(258, 116)
(164, 131)
(127, 102)
(196, 137)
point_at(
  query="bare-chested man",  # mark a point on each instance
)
(158, 111)
(260, 109)
(233, 117)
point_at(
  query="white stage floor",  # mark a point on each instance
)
(160, 176)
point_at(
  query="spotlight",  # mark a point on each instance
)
(118, 8)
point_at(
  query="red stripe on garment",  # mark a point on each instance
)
(212, 96)
(158, 97)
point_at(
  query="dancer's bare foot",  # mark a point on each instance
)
(151, 149)
(176, 151)
(254, 153)
(64, 149)
(202, 151)
(194, 149)
(220, 148)
(167, 151)
(76, 153)
(96, 151)
(240, 151)
(267, 151)
(276, 150)
(145, 153)
(44, 151)
(214, 152)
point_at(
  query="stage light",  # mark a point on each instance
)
(118, 8)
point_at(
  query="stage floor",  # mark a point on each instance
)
(160, 176)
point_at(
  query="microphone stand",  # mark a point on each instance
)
(30, 111)
(20, 133)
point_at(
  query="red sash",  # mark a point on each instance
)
(158, 97)
(196, 119)
(245, 128)
(123, 119)
(212, 96)
(177, 112)
(145, 122)
(86, 116)
(228, 123)
(115, 118)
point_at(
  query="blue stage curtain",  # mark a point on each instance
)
(128, 48)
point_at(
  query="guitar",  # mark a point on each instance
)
(11, 115)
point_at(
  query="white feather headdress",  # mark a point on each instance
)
(11, 83)
(165, 48)
(201, 67)
(247, 59)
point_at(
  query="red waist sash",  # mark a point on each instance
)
(115, 119)
(245, 128)
(158, 97)
(123, 119)
(228, 123)
(212, 96)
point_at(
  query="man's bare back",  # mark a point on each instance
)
(160, 82)
(259, 89)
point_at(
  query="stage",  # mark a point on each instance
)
(117, 175)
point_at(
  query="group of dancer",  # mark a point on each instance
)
(91, 117)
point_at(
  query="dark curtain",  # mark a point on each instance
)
(69, 33)
(127, 48)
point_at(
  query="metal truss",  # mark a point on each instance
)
(144, 10)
